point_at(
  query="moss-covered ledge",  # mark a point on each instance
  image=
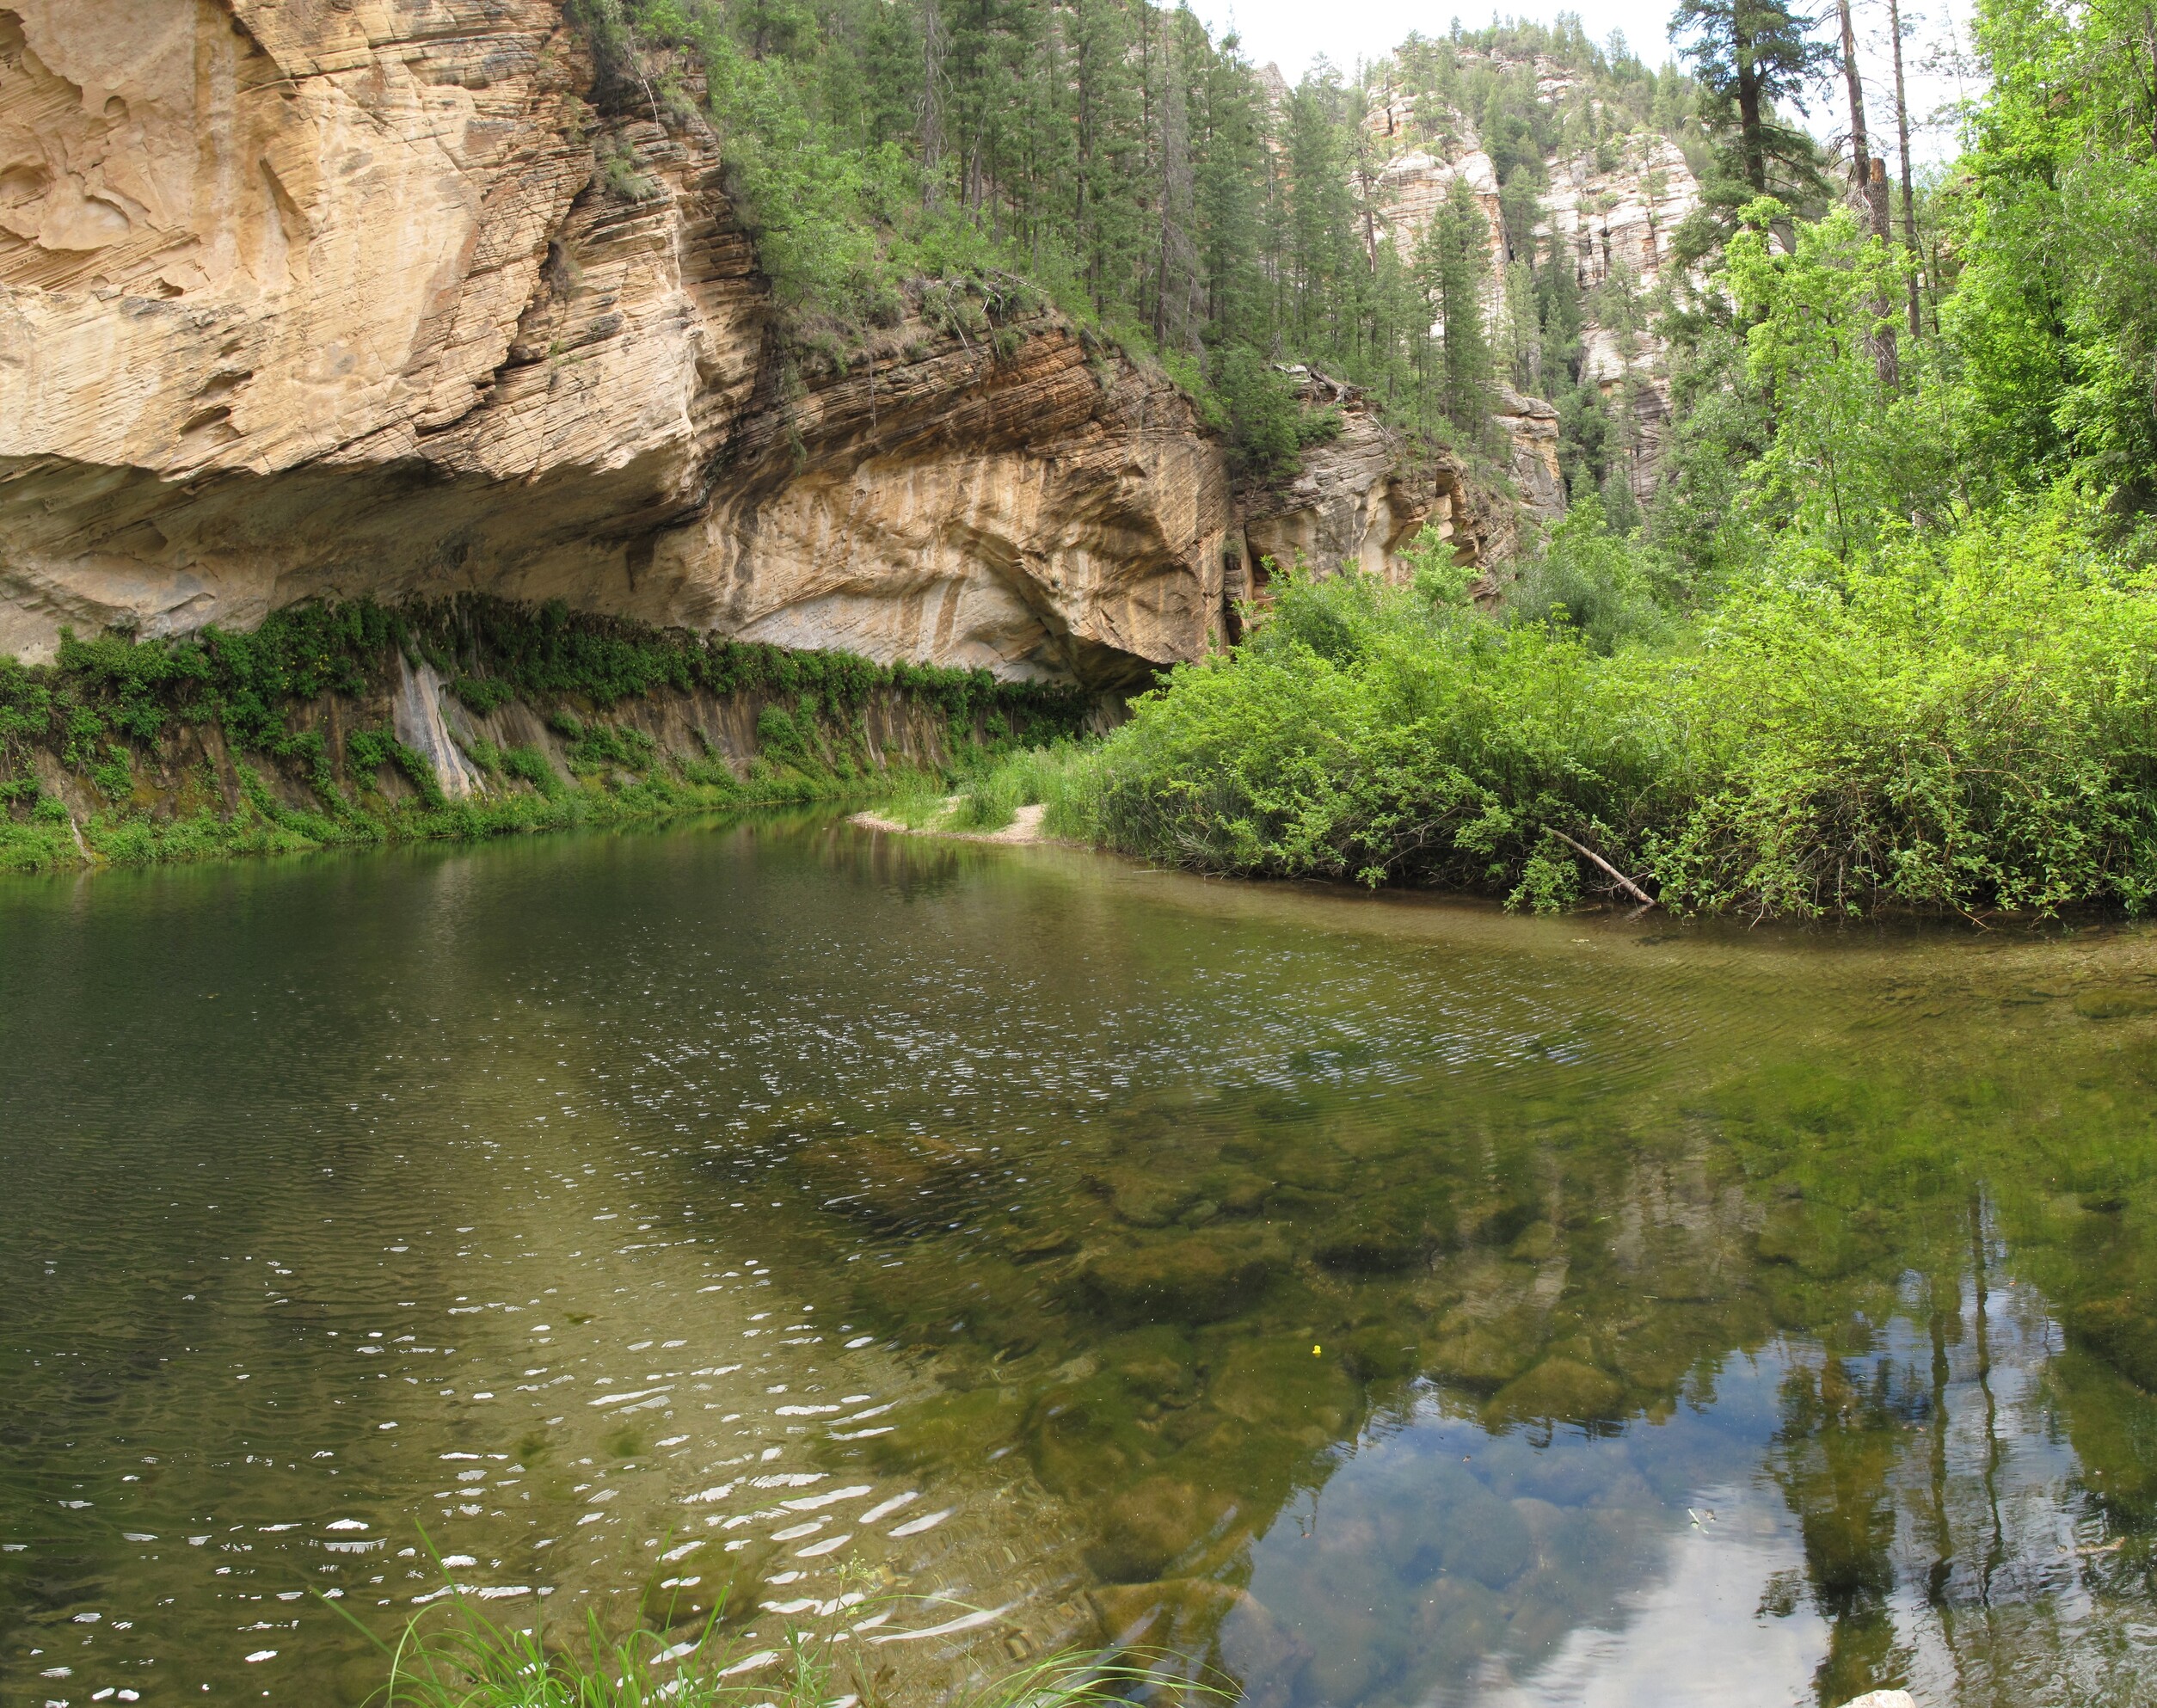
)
(335, 724)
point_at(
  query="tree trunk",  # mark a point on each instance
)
(1902, 131)
(1860, 155)
(2149, 44)
(932, 99)
(1750, 143)
(1869, 177)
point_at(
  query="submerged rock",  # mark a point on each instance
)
(1480, 1355)
(1560, 1389)
(1199, 1278)
(2122, 1332)
(1147, 1528)
(1146, 1199)
(1485, 1539)
(1244, 1654)
(1373, 1239)
(1381, 1352)
(952, 1428)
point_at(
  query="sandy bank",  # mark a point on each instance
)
(1025, 826)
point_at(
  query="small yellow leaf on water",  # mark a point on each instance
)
(1314, 1352)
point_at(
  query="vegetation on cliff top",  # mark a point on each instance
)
(303, 754)
(1161, 189)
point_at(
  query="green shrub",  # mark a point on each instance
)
(484, 694)
(114, 774)
(371, 750)
(594, 747)
(313, 751)
(529, 765)
(1594, 580)
(1268, 428)
(783, 739)
(1970, 726)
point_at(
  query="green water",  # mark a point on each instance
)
(1373, 1303)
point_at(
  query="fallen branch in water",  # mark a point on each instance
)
(1626, 883)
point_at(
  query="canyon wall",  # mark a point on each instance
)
(1361, 498)
(1613, 209)
(331, 298)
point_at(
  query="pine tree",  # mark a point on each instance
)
(1323, 247)
(1177, 289)
(1231, 196)
(1144, 172)
(1459, 264)
(1750, 56)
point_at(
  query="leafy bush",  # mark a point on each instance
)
(594, 747)
(1971, 725)
(1266, 426)
(484, 694)
(777, 732)
(1592, 579)
(370, 751)
(529, 765)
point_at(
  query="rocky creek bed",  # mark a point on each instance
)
(1363, 1302)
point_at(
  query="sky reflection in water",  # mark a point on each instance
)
(1375, 1303)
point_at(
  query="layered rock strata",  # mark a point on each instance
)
(1362, 496)
(335, 299)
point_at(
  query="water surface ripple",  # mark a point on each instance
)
(1364, 1301)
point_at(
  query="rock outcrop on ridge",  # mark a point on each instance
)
(1613, 209)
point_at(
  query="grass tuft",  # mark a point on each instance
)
(454, 1654)
(983, 795)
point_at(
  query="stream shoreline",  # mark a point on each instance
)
(1023, 831)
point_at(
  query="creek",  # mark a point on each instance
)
(1377, 1302)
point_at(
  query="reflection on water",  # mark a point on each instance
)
(1371, 1302)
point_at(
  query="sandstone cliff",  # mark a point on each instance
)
(1612, 210)
(330, 298)
(1362, 496)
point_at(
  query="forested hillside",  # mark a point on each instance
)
(1391, 227)
(1427, 227)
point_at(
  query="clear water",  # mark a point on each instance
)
(1373, 1302)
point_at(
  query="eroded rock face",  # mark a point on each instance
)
(1615, 210)
(1361, 497)
(1530, 425)
(326, 297)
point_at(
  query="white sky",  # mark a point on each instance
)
(1292, 32)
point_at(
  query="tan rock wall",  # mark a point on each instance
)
(1362, 498)
(1614, 213)
(326, 297)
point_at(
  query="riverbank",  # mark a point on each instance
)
(337, 726)
(1025, 827)
(1967, 728)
